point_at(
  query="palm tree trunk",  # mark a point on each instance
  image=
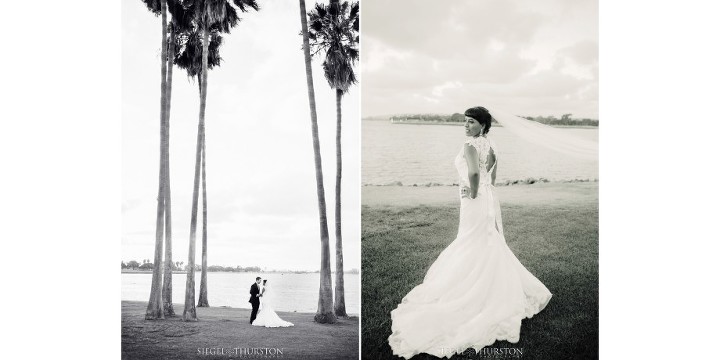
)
(189, 313)
(325, 300)
(339, 272)
(167, 278)
(154, 309)
(203, 300)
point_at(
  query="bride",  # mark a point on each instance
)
(476, 291)
(267, 316)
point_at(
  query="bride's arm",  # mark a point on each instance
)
(471, 156)
(492, 161)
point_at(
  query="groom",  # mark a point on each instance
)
(255, 298)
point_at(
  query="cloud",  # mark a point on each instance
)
(436, 58)
(261, 191)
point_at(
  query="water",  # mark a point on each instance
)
(421, 154)
(293, 292)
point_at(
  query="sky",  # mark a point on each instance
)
(527, 57)
(262, 200)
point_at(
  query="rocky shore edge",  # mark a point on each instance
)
(527, 181)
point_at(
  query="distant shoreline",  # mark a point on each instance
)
(126, 271)
(427, 122)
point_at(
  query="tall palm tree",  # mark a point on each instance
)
(209, 16)
(179, 22)
(167, 276)
(203, 299)
(325, 300)
(154, 309)
(189, 57)
(334, 29)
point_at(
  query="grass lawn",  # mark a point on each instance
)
(556, 240)
(228, 329)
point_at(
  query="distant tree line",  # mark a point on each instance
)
(564, 120)
(178, 266)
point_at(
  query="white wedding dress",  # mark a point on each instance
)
(476, 291)
(266, 316)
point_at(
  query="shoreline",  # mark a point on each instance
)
(182, 305)
(526, 181)
(130, 271)
(405, 122)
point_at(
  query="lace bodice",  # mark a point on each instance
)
(483, 146)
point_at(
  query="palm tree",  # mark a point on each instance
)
(203, 299)
(154, 309)
(209, 16)
(189, 57)
(334, 30)
(179, 22)
(325, 301)
(161, 7)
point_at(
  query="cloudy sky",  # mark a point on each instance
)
(527, 57)
(262, 204)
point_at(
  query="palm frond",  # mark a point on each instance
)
(188, 54)
(333, 29)
(153, 6)
(246, 5)
(182, 15)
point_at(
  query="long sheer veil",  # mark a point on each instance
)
(546, 136)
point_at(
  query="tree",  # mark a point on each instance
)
(154, 309)
(190, 57)
(180, 21)
(334, 30)
(457, 117)
(164, 218)
(216, 16)
(325, 301)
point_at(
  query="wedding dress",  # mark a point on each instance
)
(267, 316)
(476, 291)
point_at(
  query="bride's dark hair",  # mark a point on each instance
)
(264, 281)
(482, 115)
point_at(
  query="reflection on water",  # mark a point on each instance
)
(421, 154)
(294, 292)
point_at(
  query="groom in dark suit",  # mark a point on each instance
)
(255, 298)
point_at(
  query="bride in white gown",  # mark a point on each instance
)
(476, 292)
(267, 316)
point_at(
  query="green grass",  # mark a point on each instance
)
(558, 244)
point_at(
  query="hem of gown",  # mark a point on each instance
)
(275, 326)
(504, 331)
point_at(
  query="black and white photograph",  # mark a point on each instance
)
(480, 180)
(360, 179)
(240, 178)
